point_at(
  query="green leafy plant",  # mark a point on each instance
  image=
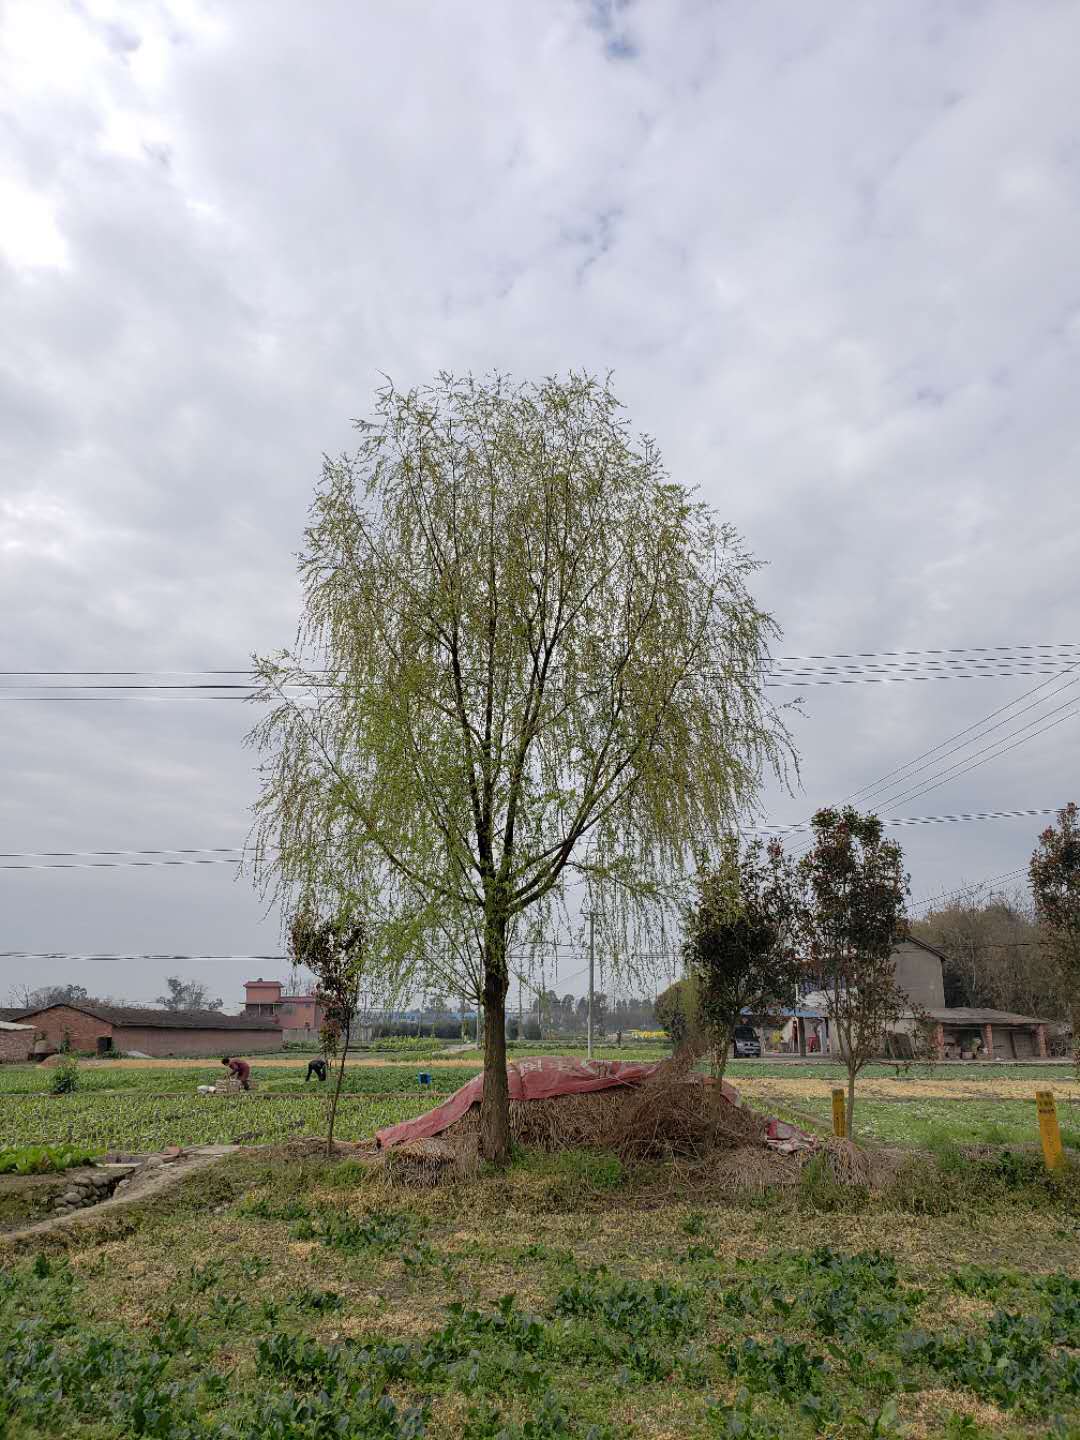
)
(64, 1079)
(42, 1159)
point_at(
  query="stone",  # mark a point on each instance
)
(70, 1197)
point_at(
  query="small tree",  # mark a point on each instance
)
(187, 995)
(1055, 883)
(852, 915)
(335, 952)
(740, 941)
(677, 1014)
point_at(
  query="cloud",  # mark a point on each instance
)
(830, 258)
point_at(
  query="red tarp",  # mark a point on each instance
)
(538, 1078)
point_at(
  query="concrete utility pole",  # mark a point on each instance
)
(592, 963)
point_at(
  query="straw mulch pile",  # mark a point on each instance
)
(667, 1117)
(422, 1164)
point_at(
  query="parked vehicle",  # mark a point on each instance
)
(745, 1043)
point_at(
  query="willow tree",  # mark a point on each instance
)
(531, 661)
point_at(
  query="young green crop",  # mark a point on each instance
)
(147, 1122)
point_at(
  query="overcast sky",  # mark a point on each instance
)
(830, 251)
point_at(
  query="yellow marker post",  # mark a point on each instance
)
(839, 1114)
(1048, 1128)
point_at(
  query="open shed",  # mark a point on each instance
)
(967, 1032)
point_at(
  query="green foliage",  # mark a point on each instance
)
(659, 1309)
(852, 914)
(64, 1079)
(1054, 873)
(42, 1159)
(480, 717)
(816, 1341)
(740, 945)
(145, 1121)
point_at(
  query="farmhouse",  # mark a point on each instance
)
(110, 1029)
(956, 1033)
(299, 1016)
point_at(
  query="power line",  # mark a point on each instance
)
(978, 650)
(123, 864)
(86, 854)
(134, 955)
(216, 857)
(972, 885)
(800, 671)
(804, 826)
(904, 772)
(996, 751)
(867, 790)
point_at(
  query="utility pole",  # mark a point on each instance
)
(592, 963)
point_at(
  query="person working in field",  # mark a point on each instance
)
(316, 1067)
(240, 1070)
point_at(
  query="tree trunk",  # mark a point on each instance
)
(337, 1093)
(718, 1057)
(1076, 1036)
(800, 1030)
(722, 1059)
(495, 1106)
(849, 1122)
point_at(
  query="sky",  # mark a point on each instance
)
(828, 252)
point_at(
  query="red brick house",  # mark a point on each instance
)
(109, 1029)
(298, 1015)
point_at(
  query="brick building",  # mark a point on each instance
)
(298, 1015)
(110, 1029)
(16, 1041)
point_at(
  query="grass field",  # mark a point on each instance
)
(131, 1105)
(564, 1299)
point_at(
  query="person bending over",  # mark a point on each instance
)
(240, 1070)
(316, 1067)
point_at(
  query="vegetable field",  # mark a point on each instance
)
(553, 1301)
(152, 1122)
(133, 1106)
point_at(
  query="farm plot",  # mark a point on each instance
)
(182, 1077)
(543, 1303)
(152, 1122)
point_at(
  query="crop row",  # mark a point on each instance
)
(358, 1079)
(149, 1122)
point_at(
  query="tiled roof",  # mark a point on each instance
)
(131, 1015)
(971, 1015)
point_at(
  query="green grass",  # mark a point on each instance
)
(927, 1123)
(563, 1299)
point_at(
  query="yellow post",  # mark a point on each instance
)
(839, 1113)
(1048, 1128)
